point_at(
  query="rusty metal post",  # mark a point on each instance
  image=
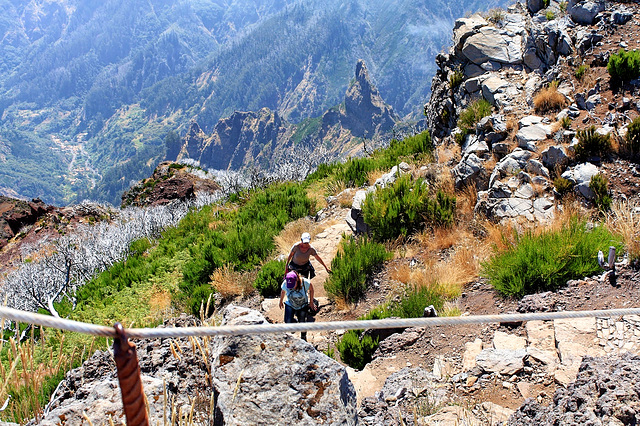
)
(129, 378)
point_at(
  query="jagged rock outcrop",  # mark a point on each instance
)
(605, 393)
(262, 139)
(170, 181)
(506, 58)
(252, 379)
(365, 113)
(15, 214)
(264, 379)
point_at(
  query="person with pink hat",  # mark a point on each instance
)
(299, 297)
(298, 259)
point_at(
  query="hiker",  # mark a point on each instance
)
(298, 259)
(299, 292)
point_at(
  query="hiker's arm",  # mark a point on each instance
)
(281, 304)
(286, 264)
(311, 302)
(319, 259)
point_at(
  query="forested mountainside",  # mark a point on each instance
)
(90, 90)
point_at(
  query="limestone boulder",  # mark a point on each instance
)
(584, 12)
(493, 44)
(263, 379)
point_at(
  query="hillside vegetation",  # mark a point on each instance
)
(227, 249)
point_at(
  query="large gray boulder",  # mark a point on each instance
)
(580, 176)
(470, 170)
(93, 387)
(276, 379)
(493, 44)
(584, 12)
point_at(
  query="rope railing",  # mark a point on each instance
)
(128, 369)
(265, 328)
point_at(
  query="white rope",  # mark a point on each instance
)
(53, 322)
(237, 330)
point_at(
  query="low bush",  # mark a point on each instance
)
(581, 71)
(549, 99)
(563, 186)
(352, 265)
(544, 262)
(599, 185)
(550, 15)
(592, 143)
(355, 171)
(405, 207)
(468, 118)
(456, 78)
(356, 348)
(632, 138)
(623, 66)
(269, 279)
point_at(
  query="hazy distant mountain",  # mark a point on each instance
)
(90, 89)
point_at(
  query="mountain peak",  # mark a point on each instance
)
(365, 111)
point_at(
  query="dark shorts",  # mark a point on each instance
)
(305, 270)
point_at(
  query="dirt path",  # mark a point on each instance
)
(326, 243)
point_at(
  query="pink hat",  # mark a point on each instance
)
(292, 279)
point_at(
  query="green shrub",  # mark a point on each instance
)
(581, 71)
(355, 171)
(565, 122)
(598, 185)
(545, 3)
(269, 279)
(543, 262)
(623, 66)
(322, 171)
(468, 118)
(563, 6)
(415, 300)
(456, 78)
(591, 143)
(405, 207)
(632, 138)
(550, 15)
(563, 186)
(356, 349)
(413, 147)
(351, 266)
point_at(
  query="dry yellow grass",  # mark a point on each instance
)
(292, 232)
(448, 152)
(549, 99)
(230, 283)
(374, 175)
(159, 302)
(624, 220)
(444, 181)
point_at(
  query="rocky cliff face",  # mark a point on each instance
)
(258, 139)
(15, 214)
(508, 59)
(170, 181)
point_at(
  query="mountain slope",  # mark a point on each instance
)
(104, 82)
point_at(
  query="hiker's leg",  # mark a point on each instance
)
(288, 313)
(302, 318)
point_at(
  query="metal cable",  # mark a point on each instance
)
(265, 328)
